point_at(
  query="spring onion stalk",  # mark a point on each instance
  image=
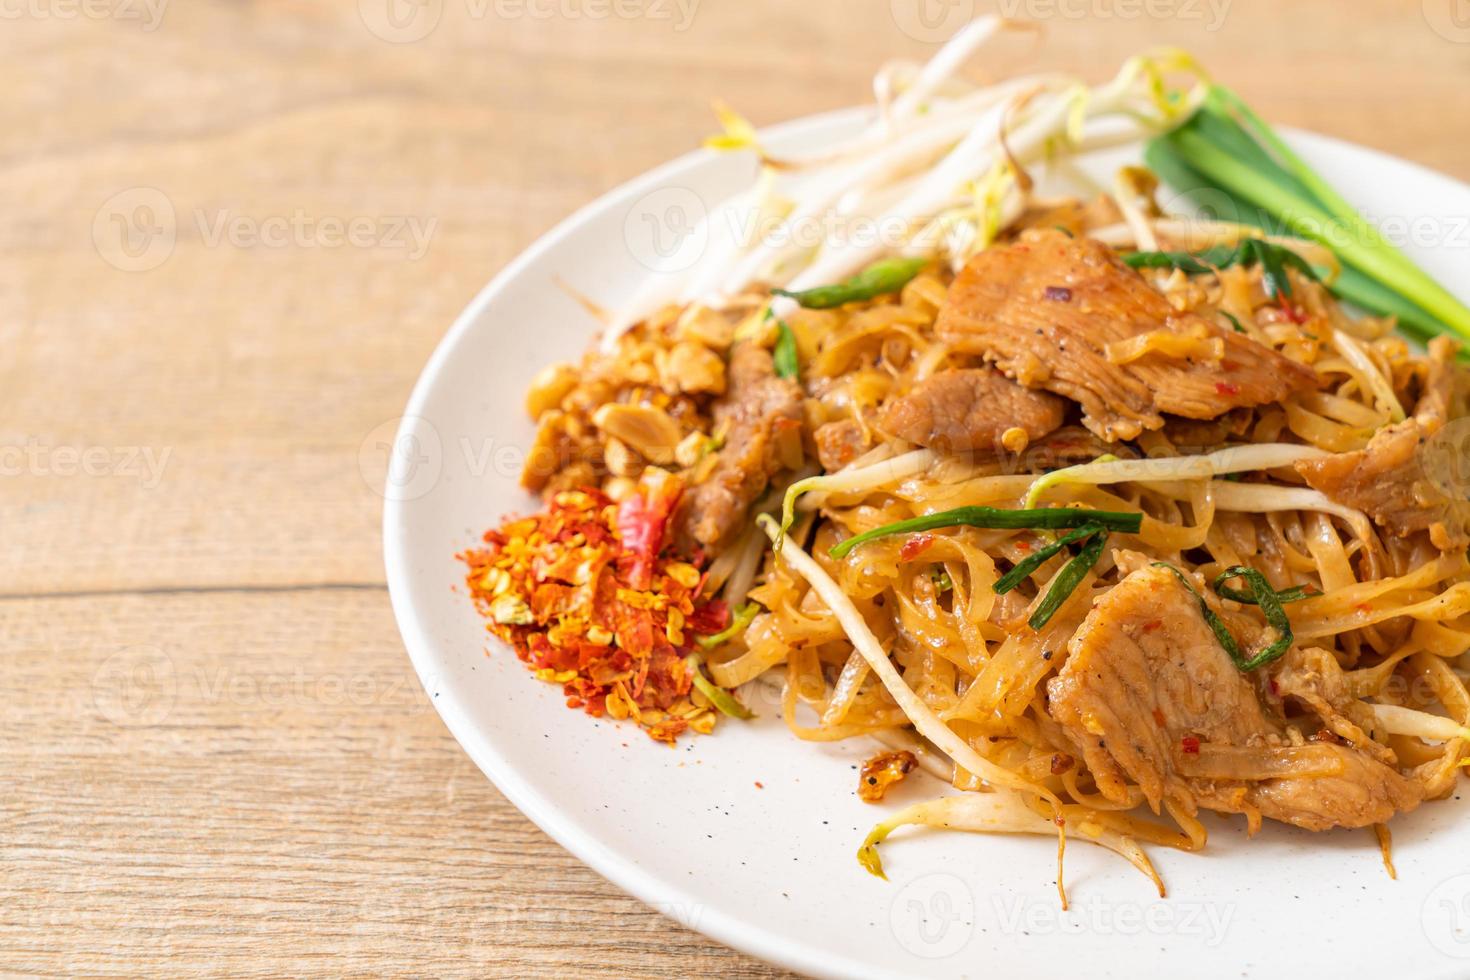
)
(1227, 149)
(722, 699)
(1046, 518)
(1345, 281)
(1265, 598)
(1236, 459)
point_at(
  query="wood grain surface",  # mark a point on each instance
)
(232, 234)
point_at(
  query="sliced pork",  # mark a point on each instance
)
(1400, 480)
(1046, 309)
(757, 406)
(1147, 692)
(967, 410)
(839, 443)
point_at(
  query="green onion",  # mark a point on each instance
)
(1194, 265)
(942, 581)
(1272, 258)
(1068, 579)
(718, 696)
(1226, 149)
(883, 276)
(784, 356)
(1265, 597)
(1294, 594)
(1045, 518)
(738, 622)
(1024, 569)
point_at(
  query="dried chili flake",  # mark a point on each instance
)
(586, 596)
(915, 546)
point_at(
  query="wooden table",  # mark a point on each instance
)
(216, 756)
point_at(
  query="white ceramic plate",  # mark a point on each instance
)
(749, 836)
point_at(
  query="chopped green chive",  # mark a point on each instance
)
(1273, 259)
(1044, 518)
(784, 356)
(883, 276)
(1294, 594)
(1026, 568)
(1265, 597)
(1068, 579)
(1238, 165)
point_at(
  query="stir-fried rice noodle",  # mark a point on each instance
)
(906, 637)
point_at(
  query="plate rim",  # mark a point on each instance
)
(657, 893)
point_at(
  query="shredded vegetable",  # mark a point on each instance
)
(854, 480)
(1236, 459)
(1398, 720)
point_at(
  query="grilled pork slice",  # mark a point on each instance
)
(756, 406)
(1046, 309)
(839, 443)
(1444, 388)
(1149, 695)
(1389, 481)
(970, 409)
